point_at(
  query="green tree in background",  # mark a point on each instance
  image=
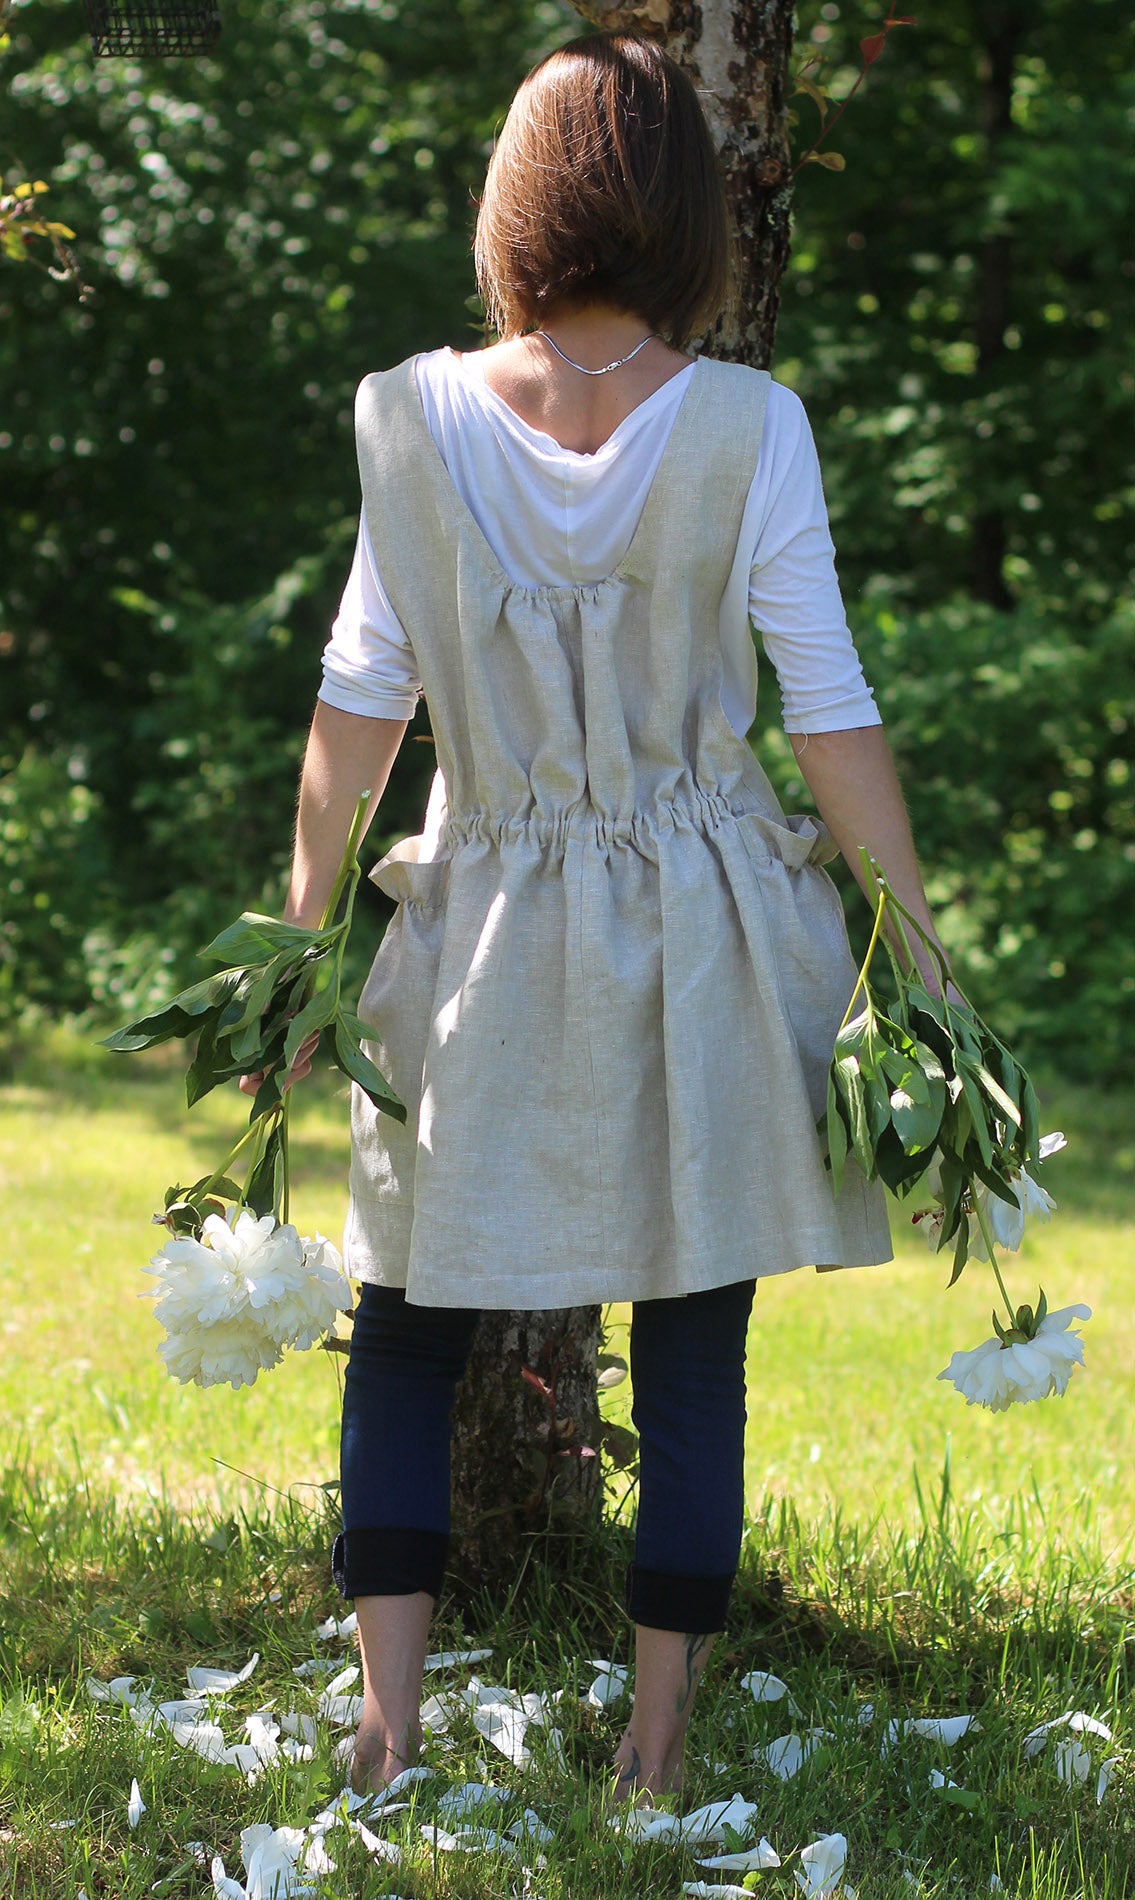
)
(178, 494)
(262, 228)
(957, 318)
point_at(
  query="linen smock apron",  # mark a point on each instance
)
(609, 994)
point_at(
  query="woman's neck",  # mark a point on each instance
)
(581, 412)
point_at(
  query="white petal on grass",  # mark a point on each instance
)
(764, 1687)
(787, 1755)
(821, 1867)
(447, 1658)
(1072, 1761)
(299, 1725)
(947, 1729)
(939, 1780)
(754, 1859)
(438, 1711)
(319, 1666)
(118, 1689)
(346, 1626)
(315, 1859)
(343, 1711)
(718, 1890)
(529, 1827)
(376, 1846)
(702, 1828)
(609, 1684)
(135, 1807)
(205, 1681)
(1103, 1779)
(1075, 1720)
(866, 1715)
(270, 1857)
(224, 1887)
(342, 1681)
(472, 1797)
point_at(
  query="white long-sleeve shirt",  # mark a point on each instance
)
(556, 516)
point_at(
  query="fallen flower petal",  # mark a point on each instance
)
(529, 1826)
(471, 1796)
(788, 1753)
(346, 1626)
(1073, 1719)
(764, 1687)
(939, 1780)
(135, 1807)
(1103, 1779)
(446, 1658)
(375, 1845)
(219, 1681)
(754, 1858)
(608, 1686)
(1072, 1762)
(821, 1866)
(223, 1887)
(718, 1891)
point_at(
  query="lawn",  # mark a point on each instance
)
(904, 1553)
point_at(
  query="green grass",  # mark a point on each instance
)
(902, 1550)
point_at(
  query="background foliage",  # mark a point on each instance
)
(178, 494)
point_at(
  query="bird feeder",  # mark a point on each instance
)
(151, 29)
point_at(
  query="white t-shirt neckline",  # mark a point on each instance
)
(545, 444)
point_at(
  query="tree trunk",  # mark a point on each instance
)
(526, 1459)
(1001, 27)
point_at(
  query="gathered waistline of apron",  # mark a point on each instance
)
(796, 840)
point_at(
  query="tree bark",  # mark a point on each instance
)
(524, 1460)
(737, 52)
(1000, 26)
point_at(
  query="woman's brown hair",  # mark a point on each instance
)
(604, 188)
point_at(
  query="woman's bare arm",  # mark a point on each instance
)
(347, 754)
(851, 775)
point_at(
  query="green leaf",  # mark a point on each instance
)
(351, 1059)
(253, 940)
(835, 1129)
(263, 1189)
(315, 1015)
(961, 1250)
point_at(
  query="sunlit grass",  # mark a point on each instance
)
(902, 1551)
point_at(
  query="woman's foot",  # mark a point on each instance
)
(377, 1761)
(638, 1782)
(649, 1758)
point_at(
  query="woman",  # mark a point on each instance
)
(610, 991)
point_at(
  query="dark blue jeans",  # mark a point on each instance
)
(687, 1363)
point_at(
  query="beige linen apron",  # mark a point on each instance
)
(609, 994)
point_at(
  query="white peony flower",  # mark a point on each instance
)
(233, 1300)
(998, 1376)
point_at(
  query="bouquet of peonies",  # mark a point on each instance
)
(236, 1282)
(925, 1093)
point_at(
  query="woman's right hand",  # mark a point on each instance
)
(250, 1084)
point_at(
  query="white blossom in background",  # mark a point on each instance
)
(232, 1301)
(997, 1376)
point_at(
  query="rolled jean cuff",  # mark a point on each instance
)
(387, 1562)
(659, 1600)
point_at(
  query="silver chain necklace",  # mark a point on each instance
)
(617, 364)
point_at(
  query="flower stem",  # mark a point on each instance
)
(348, 867)
(861, 979)
(992, 1252)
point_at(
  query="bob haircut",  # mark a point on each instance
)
(604, 188)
